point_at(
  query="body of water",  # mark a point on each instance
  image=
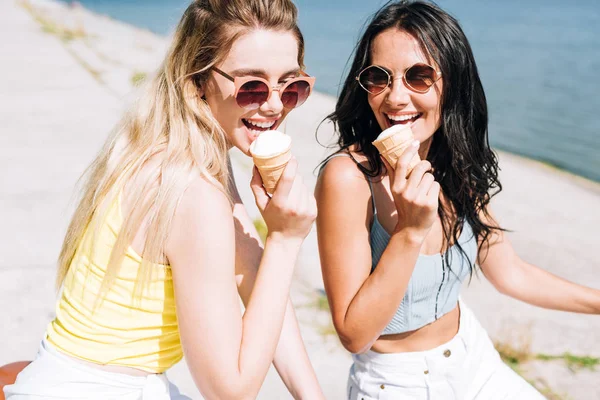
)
(539, 61)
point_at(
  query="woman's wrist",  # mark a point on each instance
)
(410, 237)
(285, 242)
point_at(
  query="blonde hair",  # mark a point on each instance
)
(173, 120)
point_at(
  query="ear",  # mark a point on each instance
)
(199, 88)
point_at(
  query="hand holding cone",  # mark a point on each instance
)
(271, 152)
(393, 141)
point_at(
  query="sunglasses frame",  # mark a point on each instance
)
(238, 82)
(391, 78)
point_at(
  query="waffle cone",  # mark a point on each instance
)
(271, 168)
(392, 147)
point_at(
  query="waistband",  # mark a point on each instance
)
(134, 382)
(458, 345)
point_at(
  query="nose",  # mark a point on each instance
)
(398, 93)
(273, 105)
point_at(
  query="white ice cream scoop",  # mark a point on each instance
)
(271, 152)
(270, 143)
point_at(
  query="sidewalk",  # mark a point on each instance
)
(58, 101)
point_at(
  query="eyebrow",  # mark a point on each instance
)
(260, 72)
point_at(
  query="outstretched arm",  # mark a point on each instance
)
(516, 278)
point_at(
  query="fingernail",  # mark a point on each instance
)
(415, 143)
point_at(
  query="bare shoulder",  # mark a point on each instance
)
(341, 175)
(203, 217)
(203, 201)
(343, 196)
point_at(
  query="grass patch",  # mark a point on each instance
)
(261, 227)
(64, 33)
(573, 362)
(138, 78)
(321, 303)
(515, 355)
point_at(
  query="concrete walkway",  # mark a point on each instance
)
(55, 114)
(53, 119)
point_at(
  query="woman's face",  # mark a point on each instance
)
(396, 51)
(271, 55)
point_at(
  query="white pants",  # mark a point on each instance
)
(53, 375)
(468, 367)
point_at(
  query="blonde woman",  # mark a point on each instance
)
(160, 245)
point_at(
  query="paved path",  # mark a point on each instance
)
(54, 116)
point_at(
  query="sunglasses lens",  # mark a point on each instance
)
(252, 94)
(295, 94)
(420, 77)
(374, 79)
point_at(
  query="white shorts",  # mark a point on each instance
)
(53, 375)
(468, 367)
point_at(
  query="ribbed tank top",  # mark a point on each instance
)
(436, 280)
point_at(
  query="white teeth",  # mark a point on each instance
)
(266, 124)
(404, 117)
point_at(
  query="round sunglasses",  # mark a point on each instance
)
(418, 78)
(251, 92)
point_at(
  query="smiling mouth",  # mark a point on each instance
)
(402, 119)
(259, 127)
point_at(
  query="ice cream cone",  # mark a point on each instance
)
(392, 142)
(271, 167)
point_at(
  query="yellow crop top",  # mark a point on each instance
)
(140, 334)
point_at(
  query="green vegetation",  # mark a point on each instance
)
(137, 79)
(573, 362)
(321, 303)
(516, 356)
(66, 34)
(261, 227)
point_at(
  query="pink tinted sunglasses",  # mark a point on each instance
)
(251, 92)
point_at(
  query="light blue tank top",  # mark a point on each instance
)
(436, 280)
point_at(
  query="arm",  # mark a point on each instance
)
(355, 295)
(516, 278)
(291, 359)
(229, 354)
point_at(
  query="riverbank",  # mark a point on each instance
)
(67, 77)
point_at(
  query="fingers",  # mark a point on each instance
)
(399, 178)
(388, 167)
(286, 182)
(260, 194)
(418, 172)
(295, 197)
(425, 185)
(434, 193)
(403, 164)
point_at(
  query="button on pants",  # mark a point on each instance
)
(468, 367)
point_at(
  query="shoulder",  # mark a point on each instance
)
(204, 199)
(341, 173)
(202, 222)
(342, 191)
